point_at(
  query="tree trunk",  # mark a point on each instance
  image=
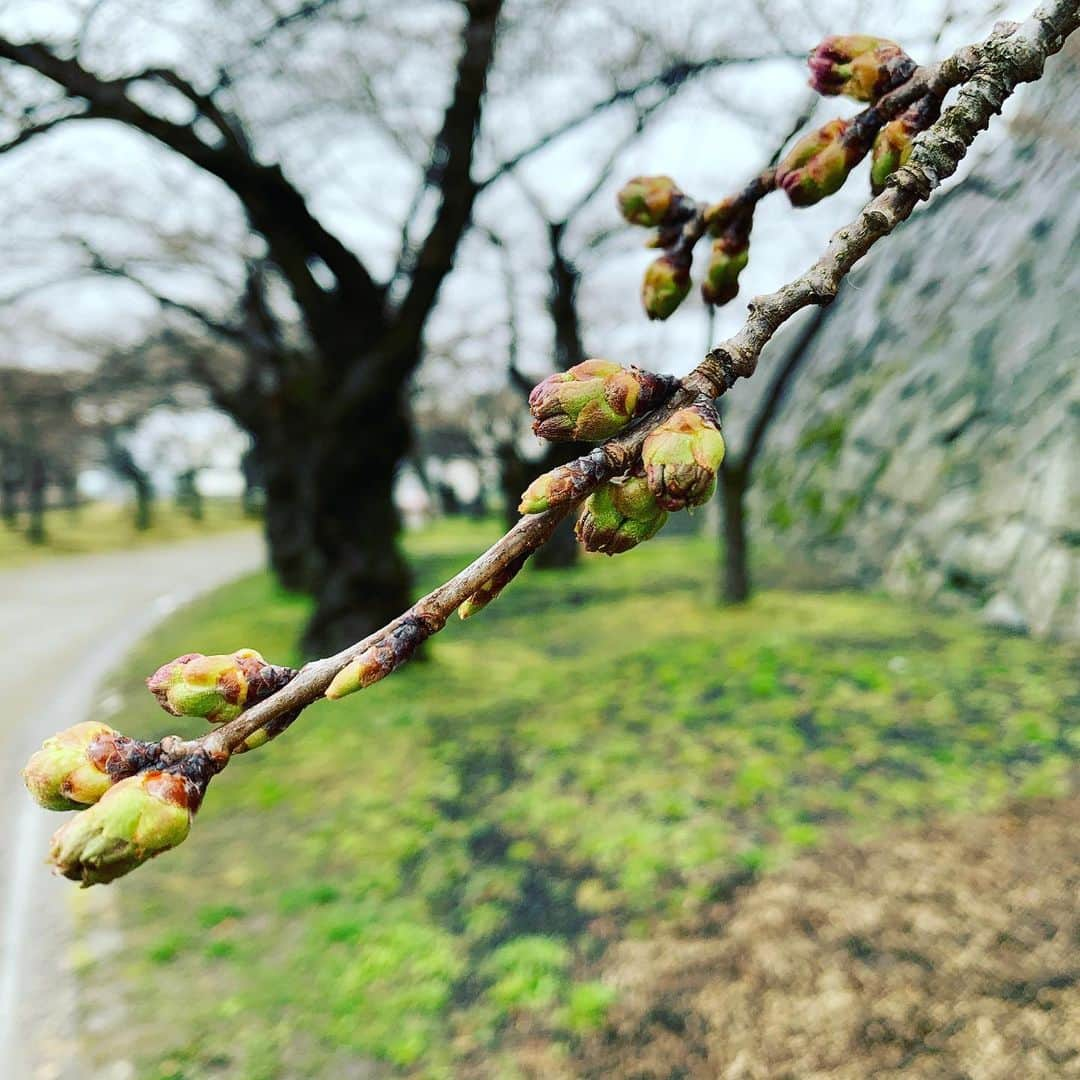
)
(35, 497)
(361, 579)
(736, 549)
(144, 499)
(284, 472)
(10, 482)
(251, 501)
(188, 496)
(69, 494)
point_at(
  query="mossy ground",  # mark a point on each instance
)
(426, 875)
(102, 526)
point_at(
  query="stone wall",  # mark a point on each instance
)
(932, 441)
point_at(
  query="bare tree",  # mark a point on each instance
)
(327, 408)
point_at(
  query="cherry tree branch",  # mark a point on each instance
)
(990, 72)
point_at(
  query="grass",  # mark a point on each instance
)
(101, 526)
(427, 872)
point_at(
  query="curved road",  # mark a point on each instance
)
(64, 623)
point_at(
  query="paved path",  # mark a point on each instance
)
(64, 623)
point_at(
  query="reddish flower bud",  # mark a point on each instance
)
(618, 516)
(594, 400)
(681, 457)
(134, 820)
(817, 165)
(858, 66)
(726, 263)
(665, 286)
(217, 688)
(651, 201)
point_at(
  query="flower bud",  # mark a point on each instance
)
(134, 820)
(217, 688)
(492, 587)
(681, 457)
(858, 66)
(619, 515)
(69, 771)
(651, 201)
(817, 165)
(726, 263)
(665, 286)
(593, 400)
(382, 658)
(271, 730)
(893, 143)
(564, 484)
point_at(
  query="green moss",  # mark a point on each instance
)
(411, 873)
(826, 436)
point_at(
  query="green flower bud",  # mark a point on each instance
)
(271, 730)
(217, 688)
(491, 588)
(726, 263)
(69, 771)
(665, 286)
(650, 201)
(593, 400)
(817, 165)
(719, 216)
(619, 515)
(894, 142)
(681, 458)
(380, 659)
(859, 66)
(134, 820)
(564, 484)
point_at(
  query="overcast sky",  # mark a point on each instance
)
(299, 94)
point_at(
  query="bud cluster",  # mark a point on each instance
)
(859, 66)
(594, 400)
(133, 805)
(137, 799)
(655, 202)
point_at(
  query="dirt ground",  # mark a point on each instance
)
(951, 952)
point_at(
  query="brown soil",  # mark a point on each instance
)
(953, 952)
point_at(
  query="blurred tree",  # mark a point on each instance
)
(41, 440)
(737, 469)
(327, 361)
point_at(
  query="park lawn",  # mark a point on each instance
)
(104, 526)
(424, 877)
